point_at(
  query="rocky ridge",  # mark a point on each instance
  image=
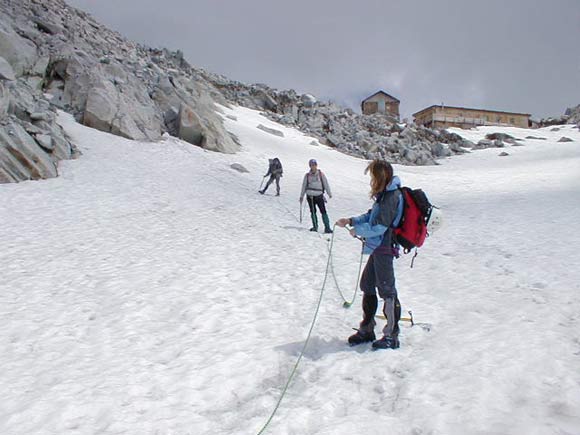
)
(570, 116)
(367, 136)
(53, 56)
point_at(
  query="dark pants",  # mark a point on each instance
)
(313, 202)
(272, 178)
(379, 275)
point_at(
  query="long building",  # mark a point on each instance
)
(464, 117)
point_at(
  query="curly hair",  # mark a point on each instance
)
(381, 175)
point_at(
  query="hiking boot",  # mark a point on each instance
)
(386, 343)
(261, 191)
(326, 221)
(361, 337)
(314, 229)
(277, 193)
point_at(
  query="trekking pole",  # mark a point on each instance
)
(263, 178)
(302, 207)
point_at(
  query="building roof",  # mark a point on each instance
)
(381, 92)
(470, 108)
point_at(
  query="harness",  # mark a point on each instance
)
(319, 173)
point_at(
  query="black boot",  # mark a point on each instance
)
(361, 337)
(386, 343)
(366, 332)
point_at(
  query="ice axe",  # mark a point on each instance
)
(402, 319)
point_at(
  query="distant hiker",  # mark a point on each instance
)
(275, 171)
(376, 229)
(315, 185)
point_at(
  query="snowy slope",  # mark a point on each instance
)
(150, 290)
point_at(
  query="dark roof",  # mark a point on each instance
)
(381, 92)
(470, 108)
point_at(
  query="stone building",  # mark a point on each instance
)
(381, 102)
(449, 116)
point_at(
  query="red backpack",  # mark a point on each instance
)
(412, 229)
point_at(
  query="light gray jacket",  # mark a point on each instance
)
(315, 184)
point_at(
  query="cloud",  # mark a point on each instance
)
(519, 55)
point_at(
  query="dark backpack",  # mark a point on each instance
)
(276, 164)
(412, 228)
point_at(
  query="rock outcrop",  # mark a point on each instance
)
(359, 135)
(570, 116)
(53, 56)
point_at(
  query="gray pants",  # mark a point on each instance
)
(380, 275)
(272, 178)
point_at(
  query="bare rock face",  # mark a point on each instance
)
(6, 71)
(190, 127)
(53, 56)
(31, 143)
(21, 156)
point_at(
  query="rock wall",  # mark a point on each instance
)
(53, 56)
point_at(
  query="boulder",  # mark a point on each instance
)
(565, 139)
(200, 125)
(47, 27)
(270, 130)
(45, 141)
(20, 53)
(21, 158)
(308, 100)
(122, 114)
(499, 136)
(6, 71)
(238, 167)
(484, 143)
(190, 126)
(4, 100)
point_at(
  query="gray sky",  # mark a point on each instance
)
(511, 55)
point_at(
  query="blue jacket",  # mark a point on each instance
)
(375, 226)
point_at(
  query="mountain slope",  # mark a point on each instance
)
(150, 289)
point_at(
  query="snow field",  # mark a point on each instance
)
(150, 290)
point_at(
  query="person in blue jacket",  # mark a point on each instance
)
(376, 229)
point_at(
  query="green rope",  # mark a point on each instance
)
(346, 303)
(293, 372)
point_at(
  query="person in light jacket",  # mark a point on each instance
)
(375, 227)
(314, 186)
